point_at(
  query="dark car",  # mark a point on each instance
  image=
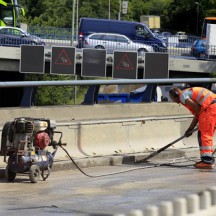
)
(12, 36)
(164, 35)
(198, 48)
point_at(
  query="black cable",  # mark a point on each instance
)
(171, 164)
(114, 173)
(128, 170)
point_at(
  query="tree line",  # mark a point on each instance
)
(176, 15)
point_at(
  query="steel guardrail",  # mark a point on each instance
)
(103, 82)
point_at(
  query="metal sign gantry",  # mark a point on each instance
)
(63, 61)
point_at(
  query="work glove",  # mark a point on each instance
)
(188, 132)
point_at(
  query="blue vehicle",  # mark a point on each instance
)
(164, 36)
(12, 36)
(137, 32)
(198, 49)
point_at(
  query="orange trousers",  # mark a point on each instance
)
(207, 123)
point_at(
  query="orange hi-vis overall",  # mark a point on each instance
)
(206, 118)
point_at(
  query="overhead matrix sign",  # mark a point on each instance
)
(156, 66)
(32, 59)
(125, 65)
(94, 63)
(63, 60)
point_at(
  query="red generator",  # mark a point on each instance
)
(24, 147)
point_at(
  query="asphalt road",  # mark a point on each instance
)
(72, 193)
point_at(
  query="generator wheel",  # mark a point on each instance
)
(9, 175)
(44, 174)
(6, 131)
(34, 173)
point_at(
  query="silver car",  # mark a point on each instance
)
(112, 42)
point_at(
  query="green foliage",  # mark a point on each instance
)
(175, 14)
(184, 13)
(57, 95)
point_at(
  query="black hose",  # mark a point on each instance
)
(124, 171)
(108, 174)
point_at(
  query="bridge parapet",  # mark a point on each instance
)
(10, 58)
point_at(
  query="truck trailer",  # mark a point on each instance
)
(153, 22)
(211, 40)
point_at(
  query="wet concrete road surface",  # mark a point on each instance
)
(72, 193)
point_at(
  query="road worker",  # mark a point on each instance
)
(201, 102)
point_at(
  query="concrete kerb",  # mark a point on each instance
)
(114, 160)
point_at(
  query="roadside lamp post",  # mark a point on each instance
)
(109, 9)
(72, 23)
(72, 32)
(77, 18)
(197, 24)
(77, 32)
(119, 14)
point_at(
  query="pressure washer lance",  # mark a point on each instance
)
(163, 148)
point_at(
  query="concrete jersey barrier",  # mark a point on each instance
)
(98, 130)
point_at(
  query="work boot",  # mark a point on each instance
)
(202, 165)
